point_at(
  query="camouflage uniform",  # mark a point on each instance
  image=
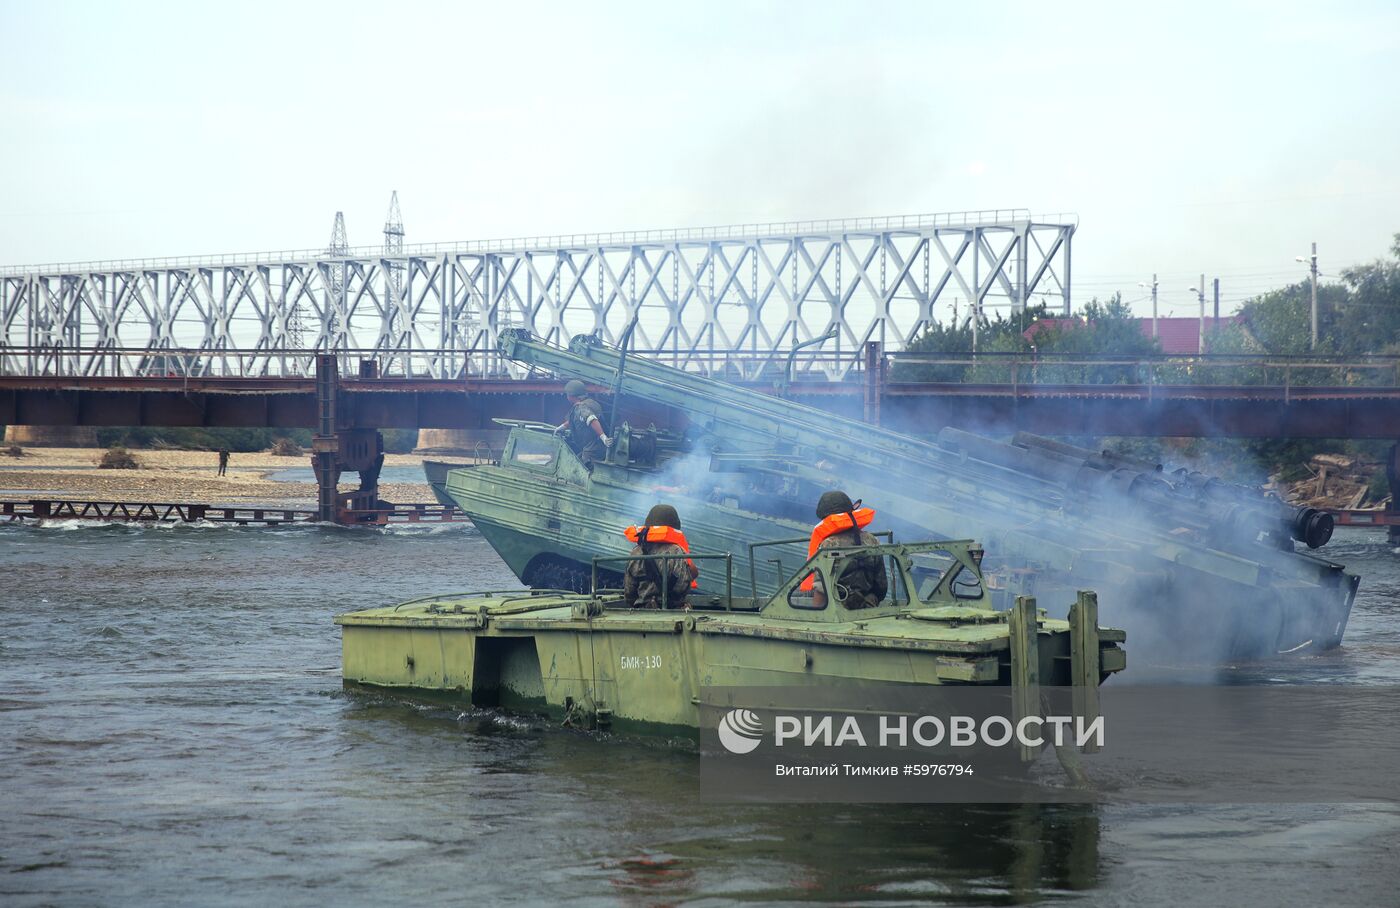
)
(863, 576)
(582, 438)
(642, 581)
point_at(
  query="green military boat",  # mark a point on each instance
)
(547, 515)
(1199, 571)
(435, 471)
(587, 658)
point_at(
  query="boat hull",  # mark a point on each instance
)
(549, 529)
(650, 671)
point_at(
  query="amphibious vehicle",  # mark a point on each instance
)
(1196, 569)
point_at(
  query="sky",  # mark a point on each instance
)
(1219, 137)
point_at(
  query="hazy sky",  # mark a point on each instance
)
(1217, 137)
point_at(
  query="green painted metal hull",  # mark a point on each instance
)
(648, 671)
(549, 525)
(435, 471)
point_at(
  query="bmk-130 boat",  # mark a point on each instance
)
(588, 659)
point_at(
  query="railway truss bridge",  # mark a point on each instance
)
(371, 340)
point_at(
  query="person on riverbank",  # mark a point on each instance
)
(223, 461)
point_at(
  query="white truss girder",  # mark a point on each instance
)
(745, 295)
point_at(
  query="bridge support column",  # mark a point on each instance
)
(1392, 510)
(336, 448)
(361, 450)
(326, 444)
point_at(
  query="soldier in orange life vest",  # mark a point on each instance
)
(643, 581)
(843, 525)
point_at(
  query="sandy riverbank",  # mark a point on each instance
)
(179, 476)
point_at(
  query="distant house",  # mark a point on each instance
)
(1183, 335)
(1176, 335)
(1050, 324)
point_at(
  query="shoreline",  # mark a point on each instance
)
(171, 476)
(183, 477)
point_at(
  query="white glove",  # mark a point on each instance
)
(607, 442)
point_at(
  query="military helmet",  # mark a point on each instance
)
(575, 388)
(834, 502)
(663, 515)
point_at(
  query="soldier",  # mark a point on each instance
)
(643, 581)
(223, 461)
(842, 526)
(584, 425)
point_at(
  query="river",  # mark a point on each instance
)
(175, 732)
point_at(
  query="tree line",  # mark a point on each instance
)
(1358, 316)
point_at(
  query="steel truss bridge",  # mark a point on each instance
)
(436, 310)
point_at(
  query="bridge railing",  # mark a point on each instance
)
(271, 362)
(189, 362)
(1108, 369)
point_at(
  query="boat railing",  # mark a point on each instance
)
(779, 577)
(480, 594)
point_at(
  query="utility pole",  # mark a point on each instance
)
(1312, 267)
(1201, 345)
(1201, 297)
(1153, 287)
(1217, 303)
(1311, 262)
(1154, 305)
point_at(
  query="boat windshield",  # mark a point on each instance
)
(534, 449)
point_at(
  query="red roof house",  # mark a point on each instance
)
(1176, 335)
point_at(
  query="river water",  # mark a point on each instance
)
(174, 732)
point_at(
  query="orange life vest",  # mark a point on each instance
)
(830, 526)
(665, 534)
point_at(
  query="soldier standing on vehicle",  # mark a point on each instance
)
(643, 581)
(842, 526)
(583, 427)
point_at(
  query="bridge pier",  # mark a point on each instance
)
(336, 448)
